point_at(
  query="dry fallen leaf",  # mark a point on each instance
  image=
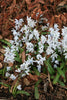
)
(13, 84)
(33, 77)
(50, 81)
(23, 56)
(26, 81)
(1, 37)
(51, 1)
(2, 86)
(7, 39)
(1, 65)
(43, 76)
(1, 57)
(62, 3)
(46, 83)
(28, 2)
(2, 51)
(10, 64)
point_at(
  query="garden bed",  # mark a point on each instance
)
(43, 82)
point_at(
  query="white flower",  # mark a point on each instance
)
(36, 34)
(43, 39)
(18, 23)
(9, 55)
(64, 43)
(30, 60)
(49, 51)
(25, 65)
(25, 28)
(14, 32)
(7, 74)
(44, 27)
(12, 42)
(39, 56)
(53, 41)
(8, 68)
(40, 59)
(53, 56)
(14, 48)
(56, 27)
(13, 77)
(23, 75)
(30, 36)
(30, 47)
(19, 87)
(41, 47)
(65, 54)
(22, 66)
(51, 29)
(56, 62)
(18, 70)
(39, 68)
(64, 31)
(55, 66)
(16, 38)
(27, 71)
(30, 22)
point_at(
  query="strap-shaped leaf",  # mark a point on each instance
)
(56, 78)
(61, 72)
(6, 42)
(22, 92)
(50, 69)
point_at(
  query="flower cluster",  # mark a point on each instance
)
(37, 47)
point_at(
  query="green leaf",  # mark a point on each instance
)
(62, 65)
(17, 58)
(22, 92)
(4, 70)
(61, 83)
(59, 58)
(61, 72)
(4, 47)
(5, 84)
(38, 82)
(50, 69)
(6, 42)
(36, 93)
(36, 89)
(43, 33)
(36, 71)
(21, 49)
(1, 71)
(14, 89)
(56, 78)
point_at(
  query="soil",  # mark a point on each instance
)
(55, 12)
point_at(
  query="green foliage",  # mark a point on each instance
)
(36, 89)
(36, 71)
(6, 42)
(22, 92)
(49, 66)
(5, 85)
(56, 78)
(36, 93)
(17, 58)
(2, 71)
(44, 33)
(15, 91)
(58, 74)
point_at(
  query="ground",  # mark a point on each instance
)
(55, 12)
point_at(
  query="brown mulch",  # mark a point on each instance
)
(55, 12)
